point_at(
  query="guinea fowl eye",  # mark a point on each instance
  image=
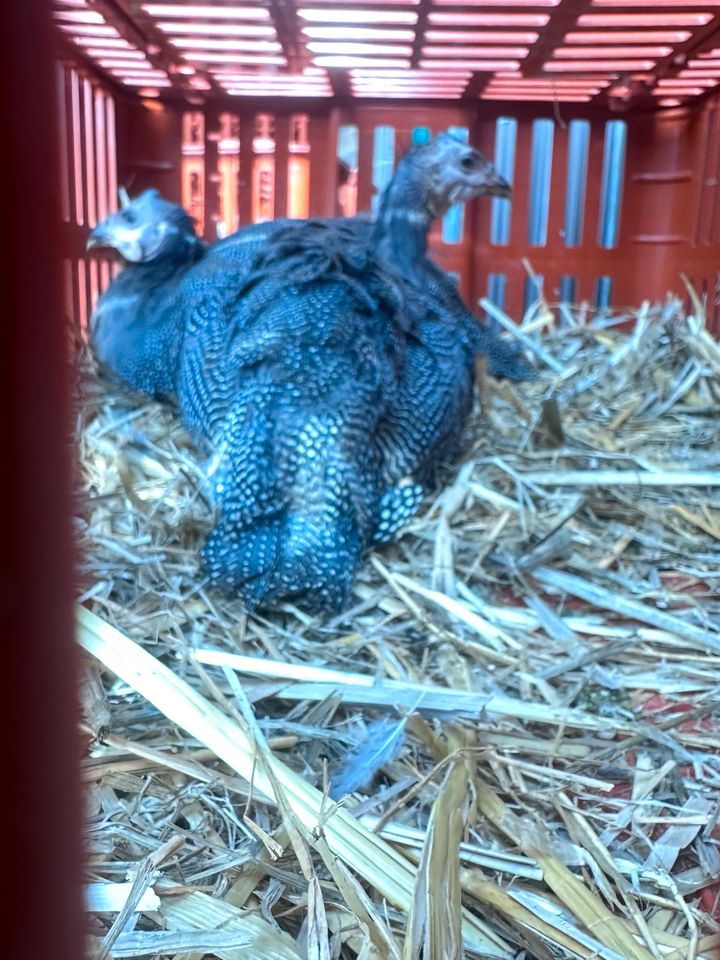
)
(130, 216)
(468, 161)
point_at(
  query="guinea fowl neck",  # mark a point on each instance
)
(403, 223)
(182, 253)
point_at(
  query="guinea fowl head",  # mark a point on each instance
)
(147, 228)
(447, 171)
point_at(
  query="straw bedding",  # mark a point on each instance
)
(507, 746)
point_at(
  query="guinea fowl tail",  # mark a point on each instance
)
(294, 516)
(286, 558)
(504, 359)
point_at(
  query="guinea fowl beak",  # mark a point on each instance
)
(98, 238)
(498, 186)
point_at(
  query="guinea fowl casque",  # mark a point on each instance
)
(330, 366)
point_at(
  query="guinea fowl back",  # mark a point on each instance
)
(298, 477)
(221, 344)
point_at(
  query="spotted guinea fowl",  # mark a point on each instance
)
(297, 476)
(312, 326)
(349, 386)
(425, 420)
(136, 329)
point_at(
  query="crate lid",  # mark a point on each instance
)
(617, 53)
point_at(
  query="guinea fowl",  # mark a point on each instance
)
(328, 367)
(136, 329)
(424, 424)
(350, 385)
(172, 330)
(298, 476)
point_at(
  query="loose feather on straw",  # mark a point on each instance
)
(383, 742)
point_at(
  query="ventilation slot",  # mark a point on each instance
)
(103, 207)
(532, 291)
(603, 291)
(77, 148)
(112, 154)
(454, 219)
(64, 144)
(578, 147)
(540, 174)
(496, 286)
(348, 150)
(298, 172)
(89, 142)
(568, 289)
(505, 140)
(263, 168)
(83, 296)
(228, 171)
(193, 166)
(612, 182)
(383, 161)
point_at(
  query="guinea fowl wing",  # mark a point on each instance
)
(135, 334)
(504, 359)
(421, 428)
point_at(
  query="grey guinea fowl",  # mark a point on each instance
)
(269, 386)
(263, 365)
(349, 388)
(136, 329)
(423, 427)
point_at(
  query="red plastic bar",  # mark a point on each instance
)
(42, 902)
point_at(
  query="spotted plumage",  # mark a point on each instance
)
(328, 327)
(329, 367)
(299, 481)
